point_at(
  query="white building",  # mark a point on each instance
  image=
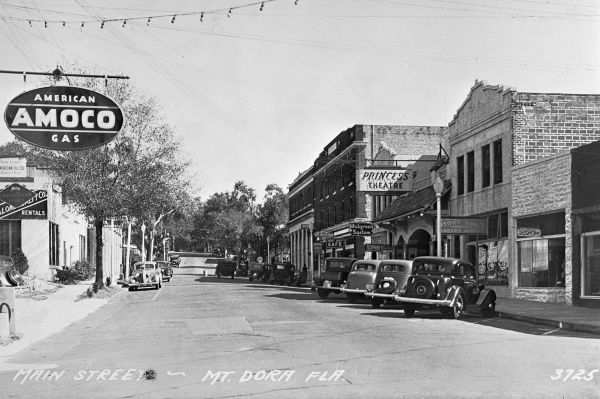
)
(50, 233)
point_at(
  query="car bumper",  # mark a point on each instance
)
(419, 301)
(389, 297)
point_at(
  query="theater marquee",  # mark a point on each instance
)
(384, 180)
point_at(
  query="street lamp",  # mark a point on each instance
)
(128, 256)
(143, 245)
(153, 229)
(438, 187)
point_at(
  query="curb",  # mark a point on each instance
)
(563, 325)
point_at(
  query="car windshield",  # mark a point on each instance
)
(461, 269)
(336, 265)
(364, 266)
(393, 268)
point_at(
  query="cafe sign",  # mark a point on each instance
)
(339, 243)
(384, 180)
(63, 118)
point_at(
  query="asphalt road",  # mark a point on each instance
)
(203, 337)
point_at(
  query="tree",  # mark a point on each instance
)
(139, 174)
(273, 216)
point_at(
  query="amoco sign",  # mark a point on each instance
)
(64, 118)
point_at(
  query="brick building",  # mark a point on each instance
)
(337, 201)
(507, 170)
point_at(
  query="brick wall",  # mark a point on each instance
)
(546, 124)
(542, 186)
(404, 141)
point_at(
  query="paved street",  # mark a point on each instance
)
(203, 337)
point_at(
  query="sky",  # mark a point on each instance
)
(255, 95)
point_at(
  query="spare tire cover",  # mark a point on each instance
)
(423, 288)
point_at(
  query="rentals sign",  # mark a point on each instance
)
(63, 118)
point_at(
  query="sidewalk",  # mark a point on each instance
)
(38, 319)
(567, 317)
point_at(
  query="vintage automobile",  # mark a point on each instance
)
(166, 270)
(242, 270)
(390, 281)
(226, 268)
(448, 284)
(335, 273)
(360, 279)
(267, 272)
(256, 270)
(283, 273)
(144, 274)
(175, 260)
(9, 275)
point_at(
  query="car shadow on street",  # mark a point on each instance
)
(222, 280)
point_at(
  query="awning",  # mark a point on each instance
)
(410, 203)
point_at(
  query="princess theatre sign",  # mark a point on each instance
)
(64, 118)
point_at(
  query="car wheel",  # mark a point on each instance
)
(322, 294)
(351, 298)
(375, 303)
(408, 311)
(457, 310)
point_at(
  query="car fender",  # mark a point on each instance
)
(486, 298)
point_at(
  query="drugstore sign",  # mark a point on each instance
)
(64, 118)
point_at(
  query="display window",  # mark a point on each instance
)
(541, 250)
(590, 256)
(541, 262)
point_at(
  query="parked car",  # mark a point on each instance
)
(283, 273)
(145, 274)
(335, 273)
(175, 260)
(166, 270)
(226, 268)
(267, 271)
(256, 270)
(9, 275)
(448, 284)
(242, 270)
(390, 281)
(360, 279)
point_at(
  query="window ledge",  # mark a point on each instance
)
(590, 297)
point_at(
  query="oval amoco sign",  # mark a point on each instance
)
(64, 118)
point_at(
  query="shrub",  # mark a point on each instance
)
(20, 261)
(81, 270)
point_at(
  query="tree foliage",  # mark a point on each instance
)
(233, 222)
(140, 174)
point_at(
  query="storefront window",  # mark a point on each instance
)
(10, 236)
(492, 261)
(541, 262)
(591, 264)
